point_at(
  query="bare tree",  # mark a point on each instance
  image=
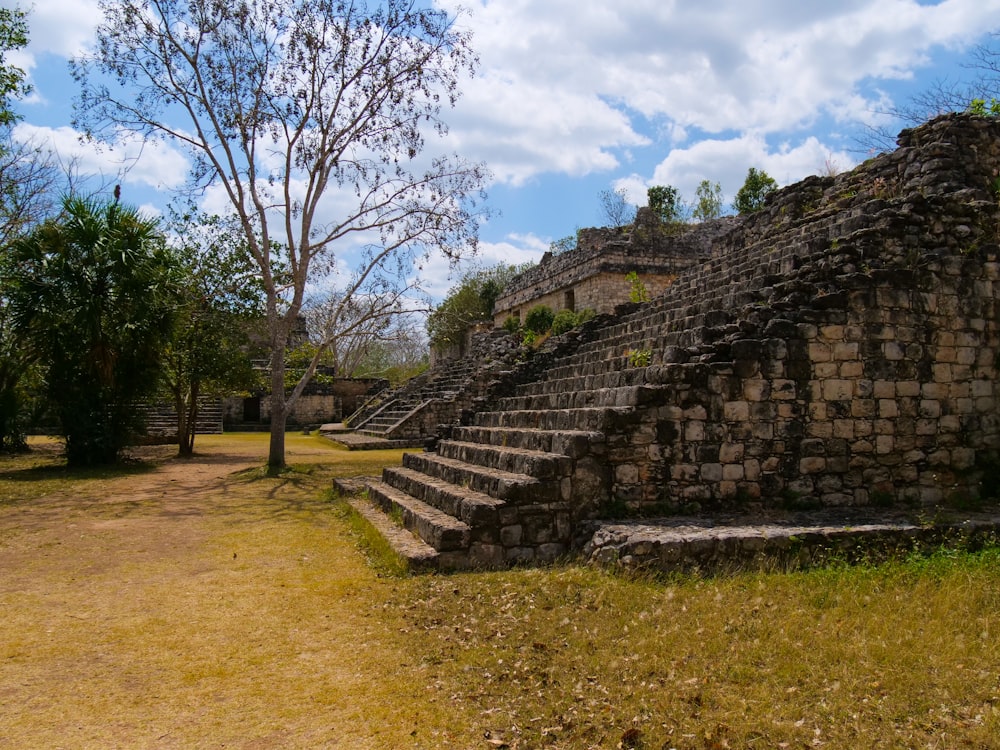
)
(942, 96)
(311, 116)
(615, 207)
(351, 326)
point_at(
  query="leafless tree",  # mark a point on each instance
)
(312, 117)
(942, 96)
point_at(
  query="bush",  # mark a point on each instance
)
(539, 319)
(512, 325)
(564, 320)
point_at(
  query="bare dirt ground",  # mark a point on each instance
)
(195, 603)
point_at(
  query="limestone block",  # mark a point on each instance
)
(884, 444)
(711, 472)
(852, 370)
(820, 352)
(694, 431)
(732, 472)
(837, 390)
(825, 370)
(510, 536)
(756, 390)
(884, 389)
(736, 411)
(893, 351)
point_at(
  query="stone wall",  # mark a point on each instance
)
(593, 274)
(840, 347)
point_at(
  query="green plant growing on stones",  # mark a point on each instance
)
(639, 357)
(983, 108)
(637, 291)
(539, 319)
(512, 325)
(564, 320)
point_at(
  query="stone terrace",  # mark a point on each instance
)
(839, 349)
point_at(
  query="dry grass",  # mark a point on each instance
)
(207, 604)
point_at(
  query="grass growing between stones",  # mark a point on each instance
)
(206, 603)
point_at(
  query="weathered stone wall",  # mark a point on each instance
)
(867, 373)
(840, 347)
(593, 274)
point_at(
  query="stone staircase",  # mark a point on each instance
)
(161, 419)
(656, 408)
(414, 411)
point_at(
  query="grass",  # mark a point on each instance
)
(236, 609)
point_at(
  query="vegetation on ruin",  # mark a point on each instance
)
(469, 302)
(757, 186)
(175, 602)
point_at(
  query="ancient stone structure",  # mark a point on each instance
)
(592, 275)
(416, 409)
(838, 348)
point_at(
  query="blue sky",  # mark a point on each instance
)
(573, 98)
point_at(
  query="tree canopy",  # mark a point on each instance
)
(750, 197)
(470, 301)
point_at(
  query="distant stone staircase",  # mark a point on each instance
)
(161, 418)
(841, 342)
(414, 411)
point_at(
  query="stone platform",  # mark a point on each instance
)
(355, 441)
(785, 539)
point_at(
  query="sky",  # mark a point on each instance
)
(572, 98)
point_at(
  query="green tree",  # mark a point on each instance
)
(313, 118)
(709, 204)
(220, 305)
(27, 181)
(665, 202)
(469, 302)
(94, 292)
(13, 80)
(757, 186)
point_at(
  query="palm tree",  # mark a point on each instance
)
(94, 296)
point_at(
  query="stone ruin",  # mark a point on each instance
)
(838, 349)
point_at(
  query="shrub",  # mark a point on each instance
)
(539, 319)
(512, 325)
(637, 291)
(564, 320)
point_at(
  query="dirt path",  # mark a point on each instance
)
(199, 604)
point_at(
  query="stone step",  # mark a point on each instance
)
(502, 485)
(441, 531)
(572, 443)
(604, 419)
(635, 395)
(480, 511)
(538, 464)
(418, 555)
(558, 382)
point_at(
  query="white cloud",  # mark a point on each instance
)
(130, 161)
(727, 161)
(61, 28)
(561, 82)
(438, 275)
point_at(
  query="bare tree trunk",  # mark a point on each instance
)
(181, 408)
(187, 429)
(279, 414)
